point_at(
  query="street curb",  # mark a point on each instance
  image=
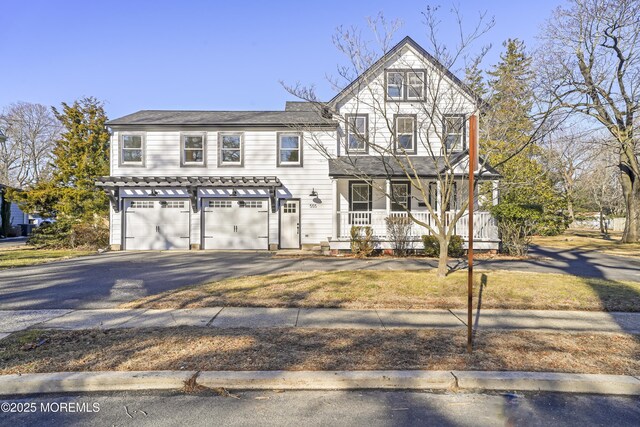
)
(80, 382)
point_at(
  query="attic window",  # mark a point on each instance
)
(394, 85)
(405, 85)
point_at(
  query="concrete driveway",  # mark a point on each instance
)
(105, 281)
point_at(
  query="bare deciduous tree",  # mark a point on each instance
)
(590, 64)
(568, 157)
(30, 130)
(433, 124)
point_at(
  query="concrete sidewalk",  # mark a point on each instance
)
(250, 317)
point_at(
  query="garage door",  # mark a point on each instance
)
(236, 224)
(156, 224)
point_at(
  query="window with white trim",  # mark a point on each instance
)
(132, 149)
(454, 133)
(193, 149)
(399, 197)
(395, 80)
(289, 149)
(405, 134)
(357, 128)
(231, 149)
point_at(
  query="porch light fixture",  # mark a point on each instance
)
(234, 193)
(153, 192)
(314, 193)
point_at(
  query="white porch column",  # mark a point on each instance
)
(335, 206)
(388, 198)
(495, 198)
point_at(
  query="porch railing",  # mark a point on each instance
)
(485, 226)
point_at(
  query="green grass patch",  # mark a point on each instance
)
(405, 290)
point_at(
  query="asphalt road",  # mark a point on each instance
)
(107, 280)
(334, 408)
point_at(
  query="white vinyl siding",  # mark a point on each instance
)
(260, 159)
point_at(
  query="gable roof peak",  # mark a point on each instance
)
(408, 41)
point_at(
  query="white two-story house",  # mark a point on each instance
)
(299, 177)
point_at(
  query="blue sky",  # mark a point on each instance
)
(204, 55)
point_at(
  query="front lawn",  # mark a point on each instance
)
(404, 290)
(294, 349)
(590, 240)
(30, 256)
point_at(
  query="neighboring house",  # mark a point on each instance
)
(280, 179)
(16, 216)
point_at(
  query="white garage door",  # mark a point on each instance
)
(157, 224)
(236, 224)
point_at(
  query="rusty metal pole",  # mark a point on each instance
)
(473, 135)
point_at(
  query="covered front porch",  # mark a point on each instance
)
(369, 203)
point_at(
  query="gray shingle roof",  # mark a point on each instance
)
(222, 118)
(388, 166)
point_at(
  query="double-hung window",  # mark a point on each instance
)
(400, 197)
(454, 132)
(289, 149)
(415, 85)
(132, 148)
(395, 85)
(193, 149)
(405, 85)
(231, 149)
(405, 134)
(357, 132)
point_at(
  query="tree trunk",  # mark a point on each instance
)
(602, 230)
(631, 192)
(572, 215)
(443, 268)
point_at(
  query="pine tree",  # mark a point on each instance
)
(525, 186)
(80, 155)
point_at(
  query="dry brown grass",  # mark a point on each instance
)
(20, 257)
(590, 240)
(404, 290)
(192, 348)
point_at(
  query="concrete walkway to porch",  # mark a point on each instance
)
(255, 317)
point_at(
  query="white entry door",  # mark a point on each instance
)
(290, 225)
(156, 224)
(236, 224)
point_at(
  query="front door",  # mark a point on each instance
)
(290, 225)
